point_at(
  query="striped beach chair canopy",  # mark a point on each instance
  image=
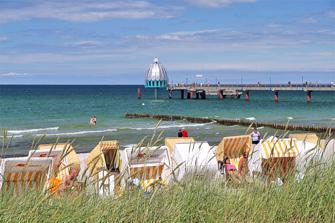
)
(103, 164)
(69, 153)
(172, 141)
(96, 159)
(279, 148)
(233, 146)
(60, 167)
(22, 173)
(55, 154)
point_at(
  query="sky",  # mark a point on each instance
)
(114, 42)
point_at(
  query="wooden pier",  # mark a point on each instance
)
(196, 91)
(242, 122)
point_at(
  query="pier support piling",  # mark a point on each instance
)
(276, 96)
(170, 94)
(197, 95)
(189, 95)
(156, 93)
(203, 95)
(182, 94)
(308, 96)
(139, 93)
(220, 94)
(246, 95)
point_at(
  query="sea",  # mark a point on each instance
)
(33, 114)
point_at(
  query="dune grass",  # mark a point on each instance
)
(198, 200)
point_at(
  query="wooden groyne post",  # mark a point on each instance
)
(242, 122)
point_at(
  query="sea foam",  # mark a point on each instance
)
(22, 131)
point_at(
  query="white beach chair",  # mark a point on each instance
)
(194, 157)
(22, 173)
(146, 166)
(59, 162)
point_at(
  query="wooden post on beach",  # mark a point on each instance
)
(308, 96)
(139, 93)
(276, 96)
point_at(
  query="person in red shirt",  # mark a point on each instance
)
(184, 133)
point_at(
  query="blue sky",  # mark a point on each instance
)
(113, 42)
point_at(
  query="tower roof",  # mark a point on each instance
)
(156, 72)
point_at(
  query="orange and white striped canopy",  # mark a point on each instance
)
(278, 148)
(233, 146)
(147, 172)
(109, 145)
(21, 173)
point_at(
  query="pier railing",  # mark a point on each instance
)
(259, 87)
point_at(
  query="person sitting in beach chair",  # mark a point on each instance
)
(221, 166)
(70, 181)
(230, 170)
(243, 166)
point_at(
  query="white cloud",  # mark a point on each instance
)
(85, 10)
(218, 3)
(274, 25)
(331, 14)
(87, 43)
(13, 74)
(309, 20)
(3, 38)
(178, 36)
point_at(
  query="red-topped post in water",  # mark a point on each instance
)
(308, 96)
(246, 95)
(220, 94)
(139, 93)
(276, 96)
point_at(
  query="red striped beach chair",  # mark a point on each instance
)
(23, 173)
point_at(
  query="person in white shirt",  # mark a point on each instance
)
(255, 136)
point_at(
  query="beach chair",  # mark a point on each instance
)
(233, 147)
(60, 167)
(103, 167)
(147, 167)
(171, 141)
(193, 158)
(69, 156)
(276, 157)
(23, 173)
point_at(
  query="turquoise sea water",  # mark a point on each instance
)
(64, 111)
